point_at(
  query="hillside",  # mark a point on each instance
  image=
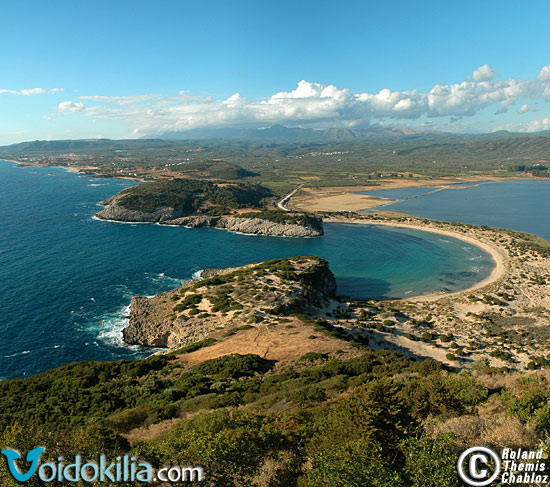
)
(165, 200)
(231, 299)
(201, 203)
(337, 157)
(285, 388)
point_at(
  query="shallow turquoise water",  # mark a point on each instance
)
(66, 279)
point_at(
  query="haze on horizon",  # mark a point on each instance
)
(127, 70)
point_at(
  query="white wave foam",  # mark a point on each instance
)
(112, 326)
(24, 352)
(196, 276)
(116, 221)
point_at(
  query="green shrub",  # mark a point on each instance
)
(312, 357)
(232, 366)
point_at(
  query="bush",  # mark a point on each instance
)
(431, 462)
(232, 366)
(530, 395)
(312, 357)
(353, 463)
(307, 395)
(426, 336)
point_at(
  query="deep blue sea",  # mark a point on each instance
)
(522, 205)
(66, 279)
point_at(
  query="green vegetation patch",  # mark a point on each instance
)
(192, 196)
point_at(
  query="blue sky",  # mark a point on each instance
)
(125, 69)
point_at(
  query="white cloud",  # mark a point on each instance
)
(544, 74)
(484, 73)
(32, 91)
(70, 106)
(537, 125)
(318, 104)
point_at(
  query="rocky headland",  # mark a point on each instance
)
(197, 204)
(232, 298)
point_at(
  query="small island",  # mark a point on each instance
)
(237, 207)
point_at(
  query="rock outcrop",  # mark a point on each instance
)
(115, 212)
(195, 203)
(252, 226)
(230, 298)
(175, 216)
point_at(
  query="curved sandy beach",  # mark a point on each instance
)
(498, 255)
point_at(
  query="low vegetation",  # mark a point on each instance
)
(378, 419)
(193, 196)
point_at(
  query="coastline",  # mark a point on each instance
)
(73, 169)
(500, 258)
(347, 198)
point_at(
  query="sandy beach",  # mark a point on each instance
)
(504, 318)
(498, 255)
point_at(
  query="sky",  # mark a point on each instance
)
(125, 69)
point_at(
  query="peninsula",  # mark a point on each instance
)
(237, 207)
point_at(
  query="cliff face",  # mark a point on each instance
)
(253, 226)
(115, 212)
(151, 325)
(175, 216)
(230, 298)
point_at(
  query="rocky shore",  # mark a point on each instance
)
(230, 298)
(176, 216)
(252, 226)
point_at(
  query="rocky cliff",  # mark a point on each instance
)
(116, 212)
(253, 226)
(196, 203)
(174, 216)
(230, 298)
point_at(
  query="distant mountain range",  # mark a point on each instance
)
(280, 135)
(280, 132)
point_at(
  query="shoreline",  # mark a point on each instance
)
(500, 258)
(349, 198)
(74, 170)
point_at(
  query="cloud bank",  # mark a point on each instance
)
(32, 91)
(318, 104)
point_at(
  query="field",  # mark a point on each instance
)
(282, 165)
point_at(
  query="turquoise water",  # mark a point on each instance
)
(66, 279)
(518, 205)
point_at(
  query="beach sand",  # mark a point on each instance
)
(498, 255)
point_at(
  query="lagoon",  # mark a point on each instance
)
(522, 205)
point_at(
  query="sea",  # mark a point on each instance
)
(522, 205)
(66, 279)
